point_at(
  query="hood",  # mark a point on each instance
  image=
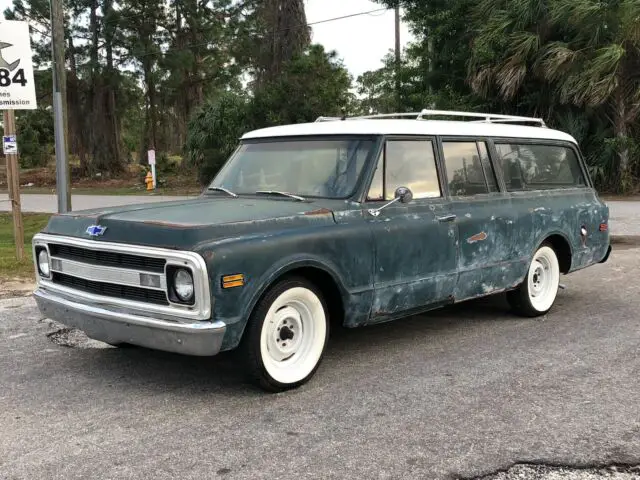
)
(183, 224)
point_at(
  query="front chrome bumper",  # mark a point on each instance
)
(106, 324)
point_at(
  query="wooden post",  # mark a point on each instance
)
(13, 182)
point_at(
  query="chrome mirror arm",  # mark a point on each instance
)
(374, 212)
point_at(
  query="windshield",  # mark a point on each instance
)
(314, 167)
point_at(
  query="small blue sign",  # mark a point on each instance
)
(9, 145)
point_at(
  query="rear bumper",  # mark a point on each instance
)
(199, 338)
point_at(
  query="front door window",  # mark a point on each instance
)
(406, 163)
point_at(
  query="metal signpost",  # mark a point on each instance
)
(17, 92)
(59, 106)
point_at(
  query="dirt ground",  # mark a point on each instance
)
(16, 288)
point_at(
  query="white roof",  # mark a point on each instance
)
(410, 127)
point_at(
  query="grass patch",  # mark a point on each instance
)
(10, 268)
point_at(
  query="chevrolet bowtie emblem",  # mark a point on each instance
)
(96, 230)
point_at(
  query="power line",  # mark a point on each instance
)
(304, 25)
(187, 47)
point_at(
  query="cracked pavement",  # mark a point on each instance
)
(463, 392)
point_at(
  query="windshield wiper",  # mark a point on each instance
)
(222, 189)
(284, 194)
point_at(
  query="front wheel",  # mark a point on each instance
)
(286, 335)
(536, 295)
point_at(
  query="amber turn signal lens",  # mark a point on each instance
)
(230, 281)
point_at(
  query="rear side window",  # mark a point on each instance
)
(469, 171)
(539, 167)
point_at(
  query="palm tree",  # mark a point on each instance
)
(585, 53)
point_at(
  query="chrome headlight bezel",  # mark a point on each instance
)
(43, 262)
(181, 285)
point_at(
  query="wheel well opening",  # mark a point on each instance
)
(563, 251)
(329, 289)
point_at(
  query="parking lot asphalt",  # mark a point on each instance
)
(462, 392)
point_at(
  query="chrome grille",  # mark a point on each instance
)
(122, 276)
(108, 273)
(156, 297)
(111, 259)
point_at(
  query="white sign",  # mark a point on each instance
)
(151, 155)
(9, 145)
(17, 89)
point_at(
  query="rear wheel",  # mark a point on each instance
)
(286, 335)
(537, 294)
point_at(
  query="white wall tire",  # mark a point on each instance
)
(286, 335)
(537, 294)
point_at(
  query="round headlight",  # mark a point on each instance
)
(43, 262)
(183, 285)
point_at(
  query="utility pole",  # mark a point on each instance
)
(13, 173)
(63, 176)
(398, 56)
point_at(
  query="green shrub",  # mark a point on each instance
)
(214, 132)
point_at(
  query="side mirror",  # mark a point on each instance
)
(404, 194)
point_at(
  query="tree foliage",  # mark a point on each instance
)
(311, 84)
(214, 132)
(574, 62)
(151, 74)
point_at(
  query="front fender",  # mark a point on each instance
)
(289, 264)
(344, 252)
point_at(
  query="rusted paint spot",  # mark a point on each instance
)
(319, 211)
(208, 255)
(478, 237)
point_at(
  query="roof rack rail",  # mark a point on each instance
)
(328, 119)
(481, 117)
(484, 117)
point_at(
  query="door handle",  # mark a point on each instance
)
(447, 218)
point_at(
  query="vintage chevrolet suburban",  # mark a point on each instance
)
(357, 221)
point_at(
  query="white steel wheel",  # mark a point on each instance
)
(537, 294)
(287, 335)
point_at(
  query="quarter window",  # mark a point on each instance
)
(469, 171)
(539, 167)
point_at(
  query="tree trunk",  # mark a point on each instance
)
(621, 130)
(93, 27)
(112, 82)
(77, 129)
(151, 117)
